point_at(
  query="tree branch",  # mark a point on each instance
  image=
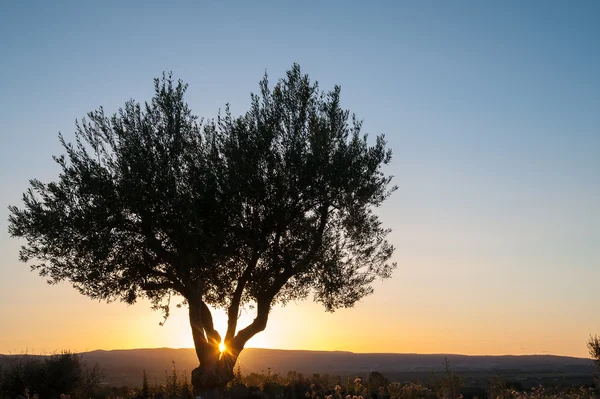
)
(171, 281)
(155, 245)
(263, 307)
(264, 303)
(234, 307)
(153, 286)
(214, 338)
(206, 338)
(197, 330)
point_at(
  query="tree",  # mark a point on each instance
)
(594, 348)
(262, 209)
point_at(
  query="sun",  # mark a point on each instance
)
(222, 347)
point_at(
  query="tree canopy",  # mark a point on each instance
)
(271, 206)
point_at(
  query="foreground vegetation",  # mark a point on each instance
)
(67, 376)
(293, 385)
(60, 375)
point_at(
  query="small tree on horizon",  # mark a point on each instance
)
(594, 348)
(270, 207)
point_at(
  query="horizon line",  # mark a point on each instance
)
(45, 353)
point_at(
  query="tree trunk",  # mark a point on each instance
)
(216, 369)
(211, 378)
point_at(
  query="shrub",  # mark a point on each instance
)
(49, 377)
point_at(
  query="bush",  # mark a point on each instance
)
(409, 391)
(49, 377)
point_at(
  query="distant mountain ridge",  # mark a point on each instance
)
(124, 367)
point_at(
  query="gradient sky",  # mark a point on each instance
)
(492, 110)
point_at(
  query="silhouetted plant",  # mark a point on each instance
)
(238, 377)
(448, 387)
(265, 208)
(274, 386)
(409, 391)
(296, 386)
(541, 392)
(349, 386)
(359, 389)
(594, 348)
(377, 384)
(498, 388)
(236, 390)
(186, 389)
(145, 386)
(49, 377)
(172, 383)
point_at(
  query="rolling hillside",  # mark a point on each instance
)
(124, 367)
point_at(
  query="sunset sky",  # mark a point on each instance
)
(492, 110)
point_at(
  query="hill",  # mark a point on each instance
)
(124, 367)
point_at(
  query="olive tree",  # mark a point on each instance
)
(272, 206)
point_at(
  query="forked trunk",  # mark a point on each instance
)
(211, 378)
(216, 369)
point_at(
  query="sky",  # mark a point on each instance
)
(492, 110)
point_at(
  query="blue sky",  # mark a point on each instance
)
(492, 110)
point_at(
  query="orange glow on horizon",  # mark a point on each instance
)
(414, 327)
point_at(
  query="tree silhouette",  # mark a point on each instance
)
(269, 207)
(594, 348)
